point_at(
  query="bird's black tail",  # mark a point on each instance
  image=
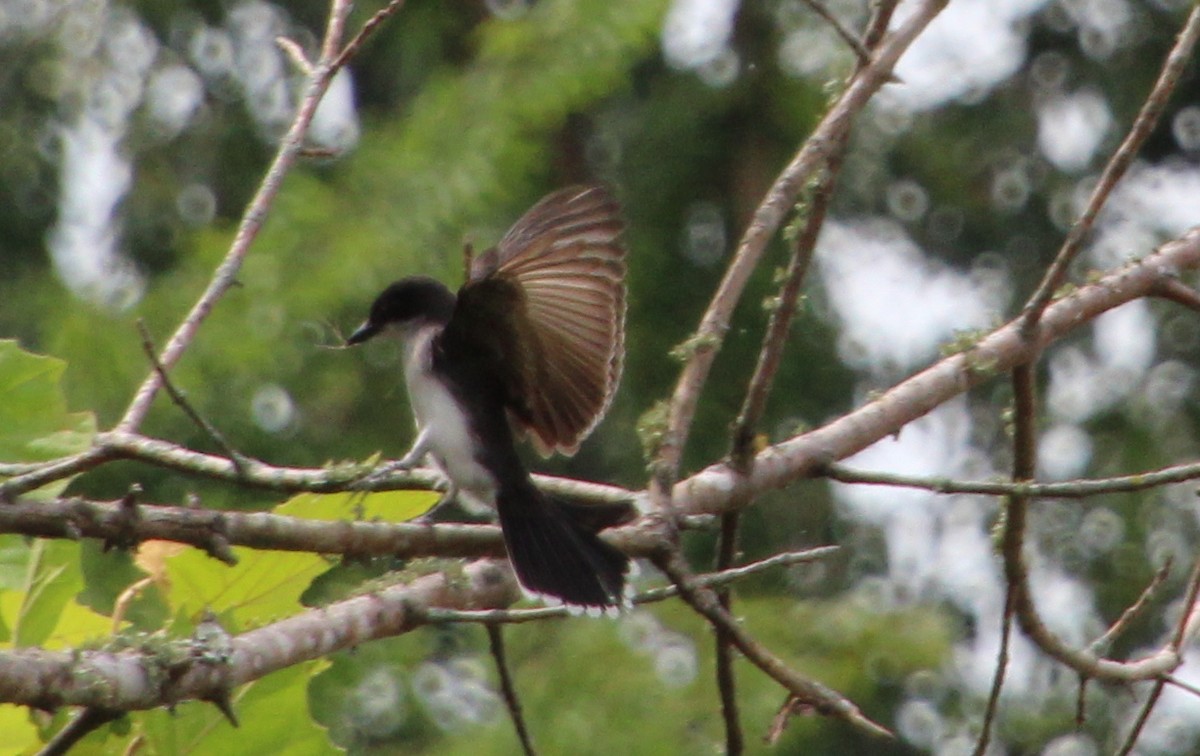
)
(554, 549)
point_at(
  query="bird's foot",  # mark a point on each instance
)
(383, 471)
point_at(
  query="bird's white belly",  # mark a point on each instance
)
(448, 431)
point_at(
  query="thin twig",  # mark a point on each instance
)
(1015, 514)
(815, 205)
(295, 53)
(761, 382)
(258, 474)
(822, 699)
(252, 220)
(993, 702)
(237, 458)
(1105, 641)
(13, 469)
(1147, 118)
(653, 595)
(1081, 702)
(55, 469)
(881, 18)
(508, 690)
(125, 599)
(1174, 290)
(727, 547)
(1187, 617)
(351, 49)
(1068, 489)
(766, 220)
(1186, 686)
(85, 722)
(864, 55)
(1016, 570)
(1143, 716)
(1177, 641)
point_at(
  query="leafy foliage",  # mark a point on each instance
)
(35, 423)
(467, 118)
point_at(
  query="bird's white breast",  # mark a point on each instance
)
(449, 431)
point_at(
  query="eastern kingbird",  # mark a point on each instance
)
(532, 344)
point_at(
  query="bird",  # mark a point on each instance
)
(531, 346)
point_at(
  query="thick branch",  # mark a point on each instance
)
(148, 678)
(709, 490)
(1147, 118)
(215, 531)
(766, 221)
(140, 679)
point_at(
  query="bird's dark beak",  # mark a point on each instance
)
(362, 333)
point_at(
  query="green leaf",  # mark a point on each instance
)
(262, 586)
(364, 697)
(106, 577)
(272, 717)
(52, 579)
(39, 609)
(34, 422)
(20, 736)
(14, 559)
(386, 505)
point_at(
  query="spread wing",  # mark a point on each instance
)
(553, 290)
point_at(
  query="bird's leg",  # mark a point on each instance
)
(407, 462)
(410, 460)
(414, 456)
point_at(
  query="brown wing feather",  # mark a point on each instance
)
(566, 258)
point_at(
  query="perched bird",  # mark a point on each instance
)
(532, 345)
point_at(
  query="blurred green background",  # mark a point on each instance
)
(456, 118)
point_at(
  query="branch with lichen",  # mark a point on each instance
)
(808, 454)
(767, 219)
(708, 491)
(144, 672)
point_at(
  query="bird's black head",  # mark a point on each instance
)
(408, 301)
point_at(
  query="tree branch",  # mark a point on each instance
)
(254, 473)
(727, 548)
(122, 679)
(766, 221)
(215, 531)
(252, 220)
(495, 635)
(805, 455)
(236, 458)
(1147, 118)
(141, 678)
(516, 616)
(822, 699)
(993, 702)
(84, 722)
(1067, 489)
